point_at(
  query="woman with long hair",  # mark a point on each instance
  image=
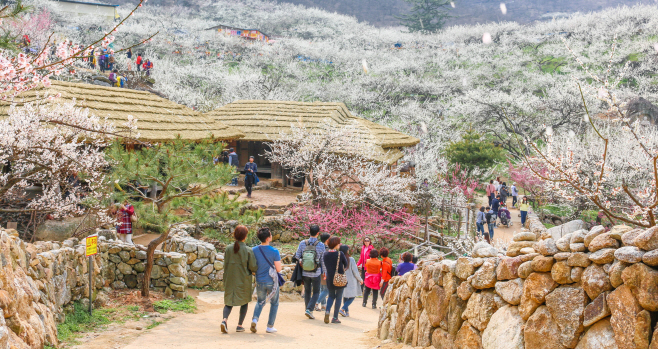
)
(353, 288)
(363, 258)
(524, 207)
(334, 262)
(239, 265)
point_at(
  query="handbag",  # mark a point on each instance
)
(280, 278)
(340, 280)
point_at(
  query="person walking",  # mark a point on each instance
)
(309, 254)
(491, 222)
(524, 207)
(480, 220)
(250, 170)
(495, 204)
(233, 161)
(239, 265)
(126, 212)
(363, 257)
(321, 304)
(138, 61)
(515, 195)
(111, 61)
(504, 193)
(497, 183)
(387, 270)
(148, 65)
(268, 260)
(491, 191)
(354, 280)
(334, 262)
(373, 278)
(129, 53)
(406, 265)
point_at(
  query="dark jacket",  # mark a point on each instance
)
(330, 263)
(495, 204)
(250, 166)
(297, 276)
(234, 159)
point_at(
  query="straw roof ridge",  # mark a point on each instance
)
(158, 119)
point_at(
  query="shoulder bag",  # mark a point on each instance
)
(280, 278)
(340, 280)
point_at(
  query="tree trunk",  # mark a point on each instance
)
(150, 251)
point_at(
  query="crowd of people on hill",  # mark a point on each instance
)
(331, 277)
(105, 61)
(497, 193)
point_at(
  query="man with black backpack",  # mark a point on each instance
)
(309, 256)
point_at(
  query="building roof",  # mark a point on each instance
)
(87, 3)
(222, 26)
(264, 121)
(158, 119)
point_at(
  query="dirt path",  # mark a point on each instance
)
(201, 330)
(503, 233)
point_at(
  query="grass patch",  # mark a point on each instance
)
(186, 304)
(154, 324)
(79, 321)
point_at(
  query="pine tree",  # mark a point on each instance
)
(472, 152)
(426, 15)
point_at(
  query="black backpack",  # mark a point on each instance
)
(491, 217)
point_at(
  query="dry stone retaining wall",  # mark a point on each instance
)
(589, 289)
(38, 280)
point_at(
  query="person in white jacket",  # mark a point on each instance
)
(354, 282)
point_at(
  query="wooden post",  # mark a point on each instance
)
(468, 220)
(91, 281)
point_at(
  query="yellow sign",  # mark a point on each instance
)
(92, 245)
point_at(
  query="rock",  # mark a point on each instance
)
(177, 270)
(629, 254)
(124, 255)
(408, 332)
(578, 247)
(525, 236)
(508, 268)
(628, 239)
(579, 259)
(562, 256)
(199, 263)
(207, 269)
(618, 231)
(541, 331)
(455, 310)
(561, 273)
(602, 241)
(485, 277)
(196, 280)
(465, 290)
(505, 330)
(442, 339)
(510, 291)
(577, 274)
(218, 265)
(468, 337)
(567, 307)
(595, 281)
(60, 230)
(542, 264)
(604, 256)
(437, 305)
(514, 249)
(615, 273)
(625, 310)
(563, 243)
(479, 309)
(525, 269)
(643, 283)
(528, 257)
(535, 289)
(651, 258)
(528, 250)
(124, 268)
(594, 232)
(566, 228)
(424, 328)
(648, 239)
(578, 236)
(546, 247)
(599, 336)
(464, 267)
(596, 310)
(484, 250)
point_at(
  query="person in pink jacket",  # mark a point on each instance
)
(491, 191)
(363, 258)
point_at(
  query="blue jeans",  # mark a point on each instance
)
(262, 290)
(491, 230)
(335, 294)
(524, 214)
(480, 227)
(346, 304)
(324, 291)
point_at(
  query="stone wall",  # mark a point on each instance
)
(593, 289)
(38, 280)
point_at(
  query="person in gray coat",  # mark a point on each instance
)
(354, 282)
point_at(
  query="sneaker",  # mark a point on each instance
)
(224, 327)
(271, 330)
(326, 318)
(317, 308)
(343, 313)
(253, 327)
(335, 321)
(374, 306)
(364, 304)
(239, 329)
(309, 314)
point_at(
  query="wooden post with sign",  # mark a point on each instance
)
(91, 242)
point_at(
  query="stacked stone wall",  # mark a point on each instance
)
(574, 288)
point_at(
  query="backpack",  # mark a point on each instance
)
(491, 217)
(309, 256)
(112, 77)
(123, 81)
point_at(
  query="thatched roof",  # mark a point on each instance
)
(263, 121)
(158, 119)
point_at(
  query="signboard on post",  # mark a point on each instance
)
(91, 244)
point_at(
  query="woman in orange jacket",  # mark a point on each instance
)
(387, 268)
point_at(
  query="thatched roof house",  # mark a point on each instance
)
(263, 121)
(158, 119)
